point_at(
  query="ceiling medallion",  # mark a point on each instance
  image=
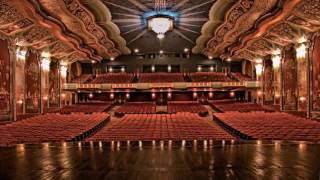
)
(160, 24)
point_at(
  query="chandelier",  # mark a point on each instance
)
(160, 25)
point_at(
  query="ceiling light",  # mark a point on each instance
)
(161, 51)
(229, 59)
(112, 58)
(160, 25)
(210, 57)
(136, 50)
(186, 50)
(93, 61)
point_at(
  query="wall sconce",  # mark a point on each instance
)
(199, 68)
(169, 95)
(302, 99)
(169, 68)
(110, 69)
(211, 68)
(259, 93)
(276, 60)
(45, 64)
(232, 94)
(153, 95)
(90, 95)
(123, 69)
(210, 94)
(258, 69)
(45, 98)
(63, 71)
(128, 95)
(20, 102)
(21, 54)
(277, 95)
(301, 51)
(195, 94)
(153, 68)
(63, 95)
(111, 96)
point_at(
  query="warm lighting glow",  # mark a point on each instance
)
(153, 68)
(210, 57)
(63, 95)
(211, 68)
(112, 59)
(21, 54)
(45, 63)
(259, 93)
(45, 98)
(45, 54)
(258, 69)
(195, 94)
(277, 95)
(276, 60)
(123, 69)
(302, 99)
(153, 95)
(229, 60)
(199, 68)
(111, 95)
(302, 39)
(161, 51)
(258, 60)
(128, 95)
(110, 69)
(20, 102)
(93, 61)
(63, 71)
(210, 94)
(276, 51)
(301, 51)
(186, 50)
(169, 68)
(232, 94)
(169, 95)
(136, 50)
(90, 95)
(160, 25)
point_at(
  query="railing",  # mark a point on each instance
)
(178, 85)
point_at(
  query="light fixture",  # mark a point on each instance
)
(45, 63)
(169, 95)
(153, 68)
(276, 60)
(232, 94)
(302, 39)
(111, 95)
(259, 93)
(136, 50)
(301, 51)
(112, 59)
(160, 25)
(169, 68)
(90, 95)
(302, 99)
(258, 60)
(258, 69)
(93, 61)
(229, 60)
(161, 51)
(210, 57)
(21, 54)
(128, 95)
(199, 68)
(211, 68)
(110, 69)
(276, 51)
(186, 50)
(63, 71)
(123, 69)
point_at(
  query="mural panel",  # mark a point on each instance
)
(289, 80)
(268, 80)
(316, 75)
(32, 70)
(4, 78)
(54, 84)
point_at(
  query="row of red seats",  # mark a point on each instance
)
(113, 78)
(193, 107)
(137, 108)
(82, 78)
(236, 106)
(49, 127)
(160, 77)
(86, 108)
(271, 126)
(241, 77)
(148, 127)
(210, 77)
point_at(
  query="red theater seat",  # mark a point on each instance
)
(87, 107)
(210, 77)
(147, 127)
(82, 78)
(50, 127)
(160, 77)
(193, 107)
(241, 77)
(137, 108)
(231, 105)
(277, 125)
(113, 78)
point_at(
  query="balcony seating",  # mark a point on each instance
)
(148, 127)
(186, 106)
(160, 77)
(270, 126)
(136, 108)
(82, 78)
(51, 127)
(240, 77)
(113, 78)
(209, 77)
(230, 105)
(87, 108)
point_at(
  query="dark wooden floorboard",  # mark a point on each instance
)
(240, 161)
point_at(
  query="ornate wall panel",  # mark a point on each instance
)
(32, 70)
(289, 80)
(315, 78)
(268, 81)
(4, 78)
(54, 84)
(302, 83)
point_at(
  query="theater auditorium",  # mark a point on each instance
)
(160, 89)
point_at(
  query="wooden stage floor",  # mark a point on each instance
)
(248, 160)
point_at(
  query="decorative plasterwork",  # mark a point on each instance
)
(87, 19)
(239, 19)
(299, 18)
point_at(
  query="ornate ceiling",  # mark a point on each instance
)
(74, 30)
